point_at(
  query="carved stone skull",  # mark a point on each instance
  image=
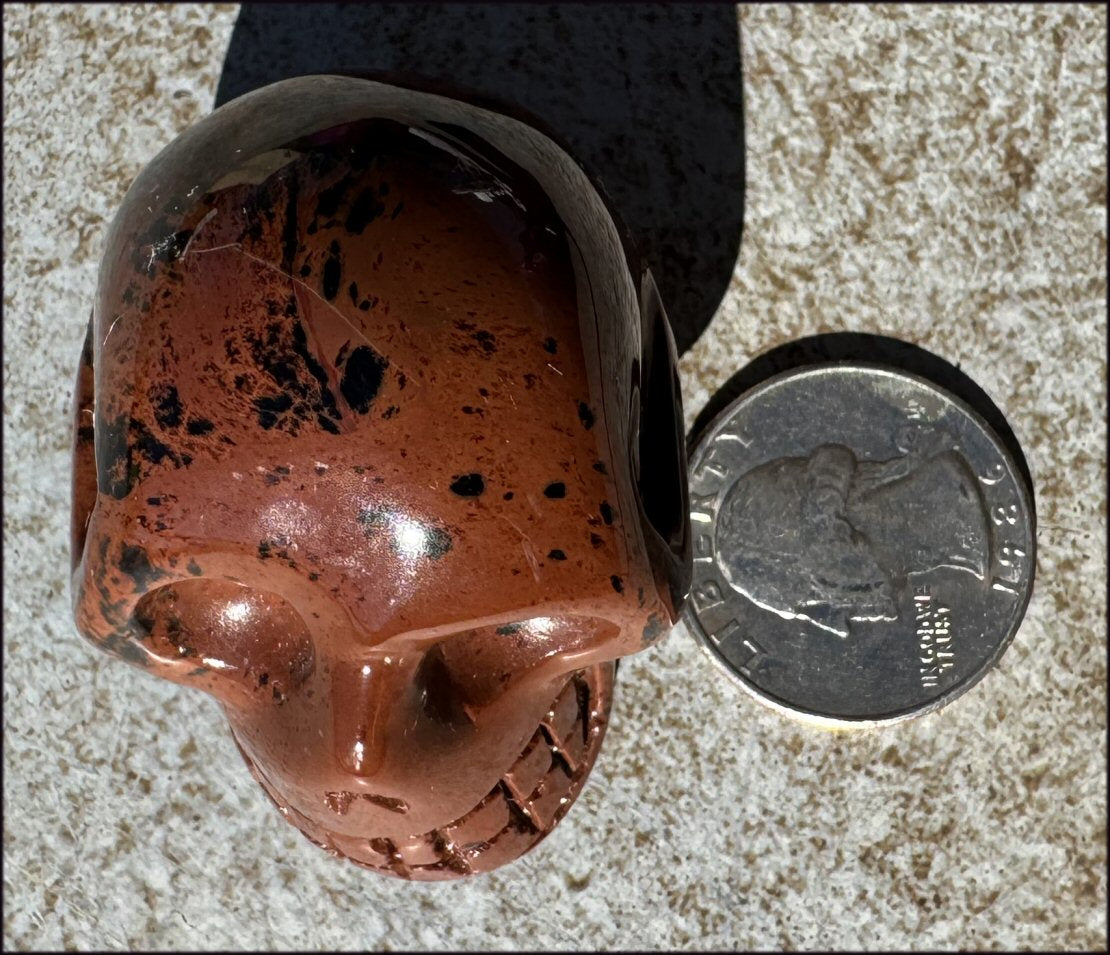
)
(378, 441)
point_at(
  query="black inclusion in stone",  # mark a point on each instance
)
(372, 520)
(618, 584)
(327, 203)
(585, 415)
(332, 272)
(168, 411)
(486, 340)
(606, 512)
(134, 562)
(364, 210)
(437, 542)
(555, 489)
(362, 377)
(113, 457)
(199, 426)
(270, 407)
(556, 554)
(468, 485)
(148, 446)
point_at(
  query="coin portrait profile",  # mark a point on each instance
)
(829, 538)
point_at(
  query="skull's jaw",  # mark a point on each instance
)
(520, 809)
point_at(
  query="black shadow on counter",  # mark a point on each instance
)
(859, 347)
(647, 97)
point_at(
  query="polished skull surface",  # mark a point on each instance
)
(378, 441)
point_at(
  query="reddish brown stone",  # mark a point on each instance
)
(378, 441)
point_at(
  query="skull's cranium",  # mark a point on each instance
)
(378, 441)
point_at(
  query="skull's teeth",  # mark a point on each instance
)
(519, 805)
(522, 807)
(450, 854)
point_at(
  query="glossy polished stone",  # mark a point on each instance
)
(378, 440)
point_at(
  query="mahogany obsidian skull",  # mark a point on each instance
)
(379, 442)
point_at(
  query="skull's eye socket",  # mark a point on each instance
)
(474, 668)
(242, 644)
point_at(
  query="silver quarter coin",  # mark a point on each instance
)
(863, 544)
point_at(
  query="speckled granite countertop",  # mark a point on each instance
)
(937, 174)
